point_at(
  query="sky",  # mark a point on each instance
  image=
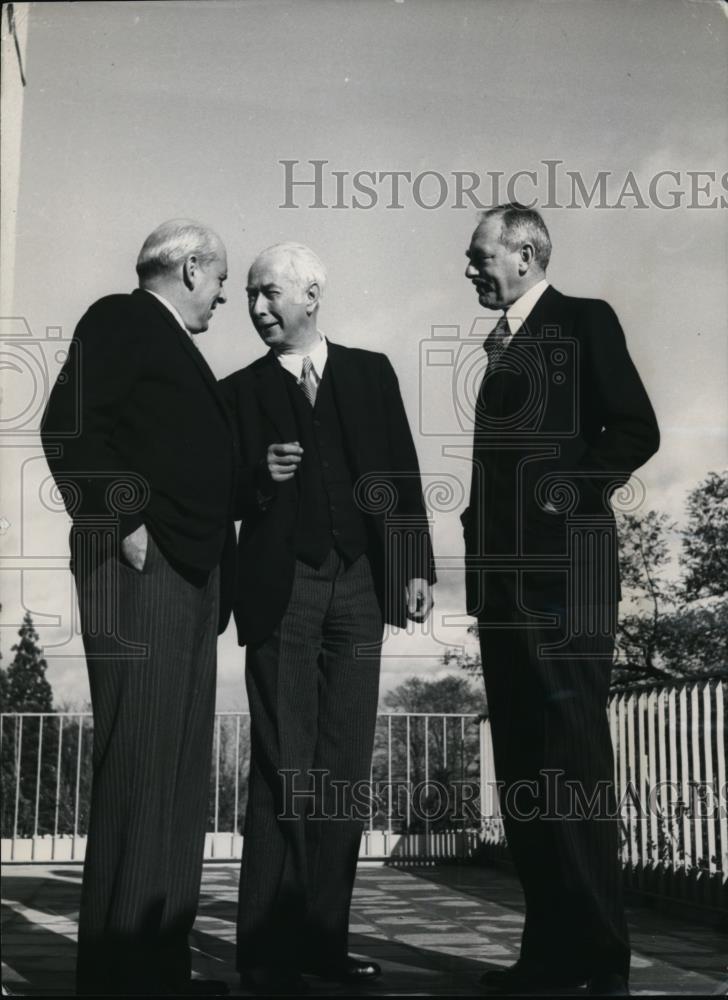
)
(137, 112)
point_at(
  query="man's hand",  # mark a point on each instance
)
(134, 547)
(419, 599)
(283, 460)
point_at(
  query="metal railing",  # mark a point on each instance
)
(432, 792)
(421, 764)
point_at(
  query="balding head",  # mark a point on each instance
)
(520, 225)
(508, 254)
(186, 263)
(171, 244)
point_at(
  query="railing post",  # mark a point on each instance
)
(236, 804)
(37, 775)
(695, 773)
(18, 760)
(58, 776)
(722, 805)
(78, 786)
(389, 774)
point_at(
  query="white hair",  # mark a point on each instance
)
(172, 243)
(306, 266)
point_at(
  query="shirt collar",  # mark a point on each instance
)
(293, 363)
(168, 305)
(518, 313)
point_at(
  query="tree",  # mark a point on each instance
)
(27, 687)
(446, 694)
(694, 639)
(4, 688)
(432, 738)
(705, 539)
(650, 595)
(26, 752)
(669, 629)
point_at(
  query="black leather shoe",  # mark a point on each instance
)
(607, 984)
(266, 981)
(202, 988)
(350, 970)
(525, 979)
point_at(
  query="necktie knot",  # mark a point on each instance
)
(308, 380)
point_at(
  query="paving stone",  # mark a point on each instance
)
(433, 929)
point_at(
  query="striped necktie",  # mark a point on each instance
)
(497, 341)
(307, 380)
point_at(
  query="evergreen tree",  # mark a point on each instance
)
(27, 687)
(24, 688)
(3, 689)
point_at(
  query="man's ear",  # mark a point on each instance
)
(189, 272)
(313, 297)
(528, 255)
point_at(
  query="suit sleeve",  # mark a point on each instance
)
(630, 434)
(406, 477)
(87, 401)
(255, 490)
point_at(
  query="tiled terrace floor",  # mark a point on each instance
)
(434, 931)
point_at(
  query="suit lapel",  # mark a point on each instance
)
(273, 397)
(506, 385)
(347, 384)
(532, 326)
(542, 327)
(193, 352)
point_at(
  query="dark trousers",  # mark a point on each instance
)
(313, 706)
(150, 642)
(549, 725)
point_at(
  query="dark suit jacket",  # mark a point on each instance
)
(561, 422)
(153, 443)
(384, 468)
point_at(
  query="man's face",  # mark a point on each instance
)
(277, 304)
(493, 268)
(207, 292)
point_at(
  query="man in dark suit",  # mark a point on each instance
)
(334, 542)
(562, 420)
(142, 449)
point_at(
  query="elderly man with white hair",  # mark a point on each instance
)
(334, 542)
(142, 450)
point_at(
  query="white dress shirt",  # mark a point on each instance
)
(175, 312)
(293, 363)
(518, 313)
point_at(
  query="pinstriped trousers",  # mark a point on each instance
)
(549, 727)
(150, 642)
(313, 695)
